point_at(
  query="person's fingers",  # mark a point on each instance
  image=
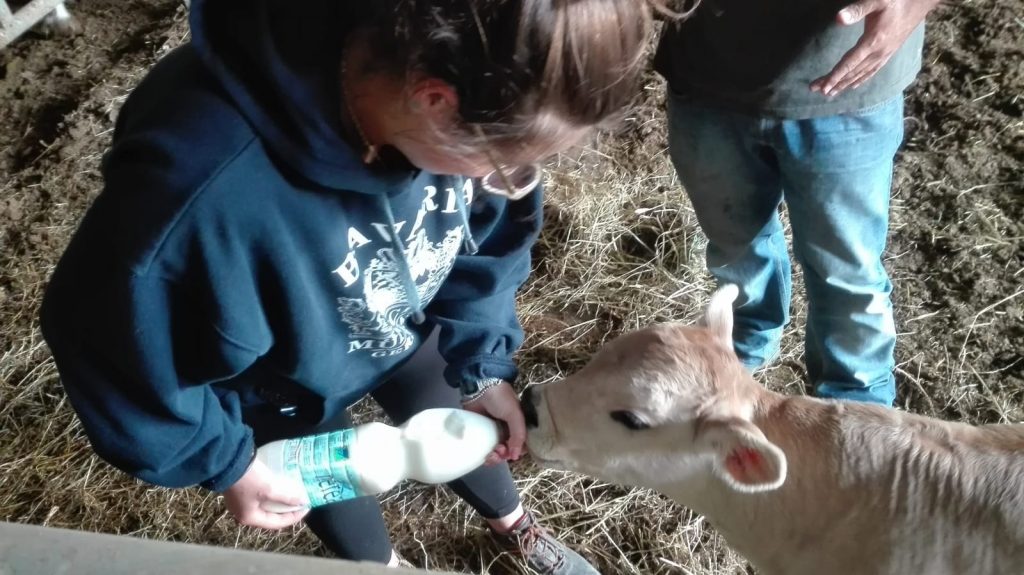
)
(863, 74)
(285, 496)
(870, 73)
(854, 83)
(861, 82)
(859, 10)
(275, 506)
(256, 516)
(845, 82)
(516, 432)
(499, 454)
(848, 64)
(267, 520)
(502, 431)
(293, 517)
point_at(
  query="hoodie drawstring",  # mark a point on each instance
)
(467, 235)
(405, 272)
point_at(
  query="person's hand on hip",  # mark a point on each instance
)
(887, 24)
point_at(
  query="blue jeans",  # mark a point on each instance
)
(835, 175)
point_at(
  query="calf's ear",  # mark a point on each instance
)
(718, 316)
(744, 459)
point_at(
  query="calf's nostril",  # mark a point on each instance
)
(529, 409)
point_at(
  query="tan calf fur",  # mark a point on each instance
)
(795, 484)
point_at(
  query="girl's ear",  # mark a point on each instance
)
(434, 98)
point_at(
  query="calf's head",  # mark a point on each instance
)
(659, 407)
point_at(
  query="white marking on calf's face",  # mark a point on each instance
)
(639, 412)
(632, 409)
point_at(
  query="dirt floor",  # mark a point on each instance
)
(621, 249)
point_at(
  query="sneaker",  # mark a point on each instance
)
(542, 552)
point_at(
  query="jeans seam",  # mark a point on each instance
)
(872, 108)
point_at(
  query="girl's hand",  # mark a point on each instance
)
(501, 402)
(247, 500)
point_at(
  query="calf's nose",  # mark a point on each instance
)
(529, 408)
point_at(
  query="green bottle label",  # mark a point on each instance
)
(324, 465)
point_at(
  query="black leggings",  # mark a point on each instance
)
(355, 529)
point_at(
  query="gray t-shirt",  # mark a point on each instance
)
(760, 57)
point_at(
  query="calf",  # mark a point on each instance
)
(797, 485)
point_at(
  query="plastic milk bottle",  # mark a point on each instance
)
(434, 446)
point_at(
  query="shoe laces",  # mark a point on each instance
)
(529, 535)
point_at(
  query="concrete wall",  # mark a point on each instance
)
(33, 550)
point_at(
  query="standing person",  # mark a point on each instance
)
(289, 223)
(801, 101)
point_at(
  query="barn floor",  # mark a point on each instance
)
(621, 249)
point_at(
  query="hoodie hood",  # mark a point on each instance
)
(281, 63)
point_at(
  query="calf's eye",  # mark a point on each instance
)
(630, 420)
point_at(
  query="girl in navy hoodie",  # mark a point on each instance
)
(312, 202)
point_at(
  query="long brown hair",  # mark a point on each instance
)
(524, 70)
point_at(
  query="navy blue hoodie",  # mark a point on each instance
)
(240, 244)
